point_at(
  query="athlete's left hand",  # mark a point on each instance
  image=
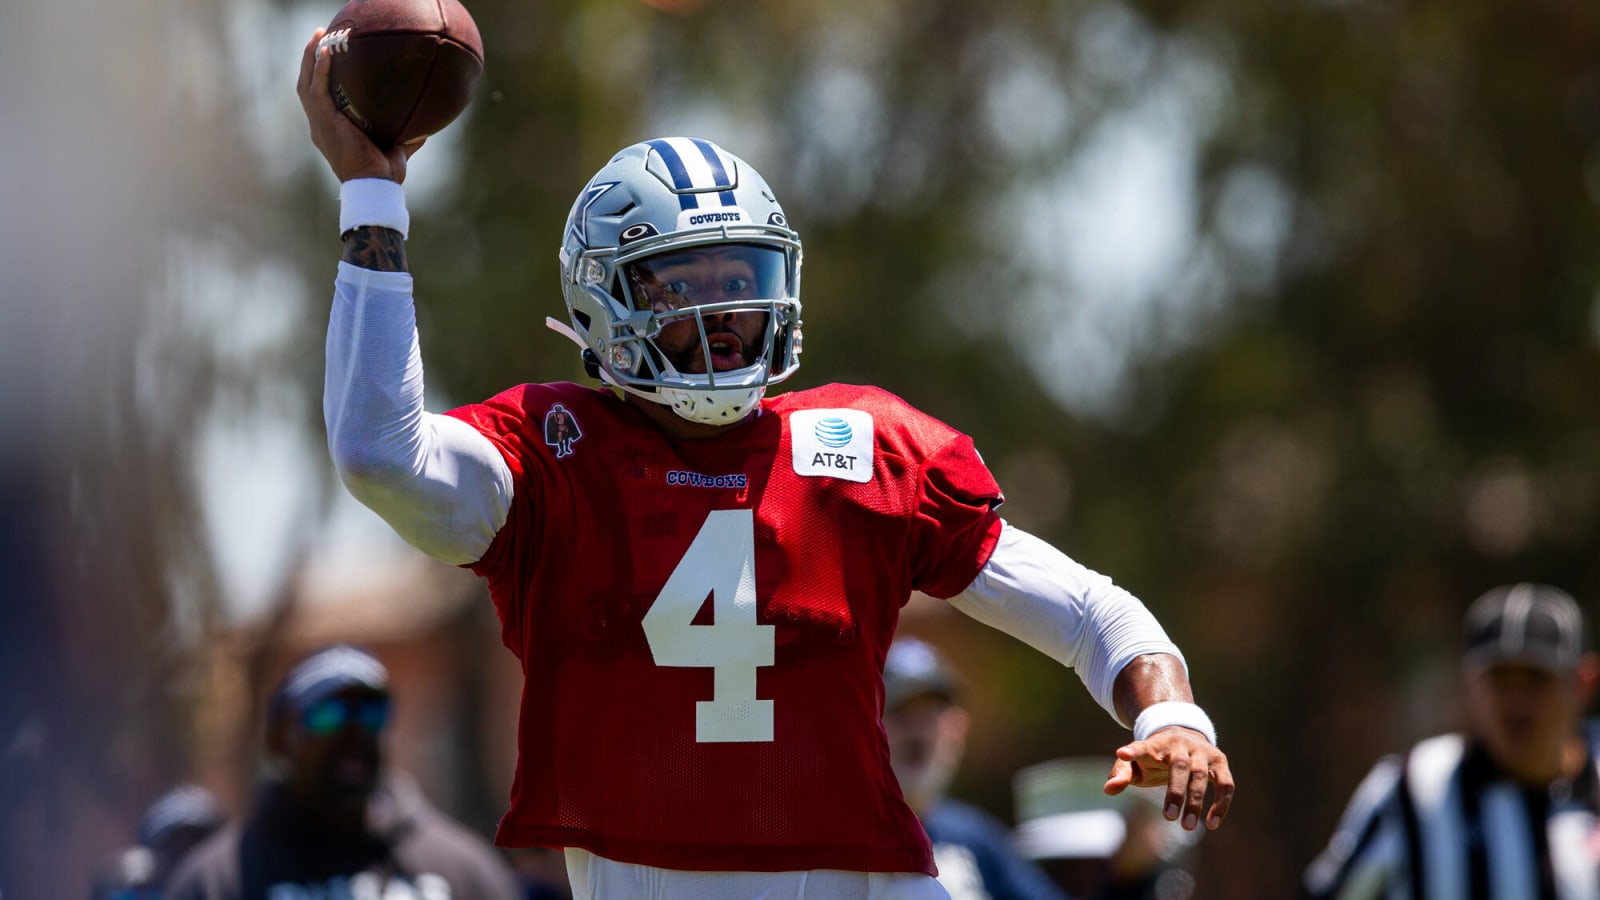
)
(1186, 763)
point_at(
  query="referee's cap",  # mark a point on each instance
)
(913, 668)
(1535, 624)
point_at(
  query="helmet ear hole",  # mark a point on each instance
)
(584, 320)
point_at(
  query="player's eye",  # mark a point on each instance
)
(736, 286)
(673, 294)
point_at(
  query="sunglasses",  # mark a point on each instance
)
(330, 716)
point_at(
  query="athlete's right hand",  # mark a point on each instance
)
(348, 150)
(1186, 764)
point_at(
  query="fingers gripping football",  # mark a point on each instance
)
(1186, 764)
(348, 150)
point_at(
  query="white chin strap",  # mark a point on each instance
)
(704, 407)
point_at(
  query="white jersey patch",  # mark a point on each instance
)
(832, 443)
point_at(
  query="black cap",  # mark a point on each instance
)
(185, 806)
(914, 668)
(327, 672)
(1535, 624)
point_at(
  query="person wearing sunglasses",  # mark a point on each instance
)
(330, 819)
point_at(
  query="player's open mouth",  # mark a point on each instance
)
(725, 350)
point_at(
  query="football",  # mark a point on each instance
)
(403, 69)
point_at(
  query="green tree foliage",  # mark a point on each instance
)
(1402, 421)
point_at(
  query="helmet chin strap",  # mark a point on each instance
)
(704, 407)
(565, 330)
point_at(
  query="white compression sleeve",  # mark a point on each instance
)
(1044, 598)
(436, 480)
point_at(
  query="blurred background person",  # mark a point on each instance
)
(1505, 810)
(541, 871)
(927, 728)
(330, 818)
(1095, 846)
(172, 826)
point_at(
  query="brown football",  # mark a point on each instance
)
(403, 69)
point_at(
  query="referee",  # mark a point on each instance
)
(1507, 811)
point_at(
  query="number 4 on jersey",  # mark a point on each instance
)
(721, 562)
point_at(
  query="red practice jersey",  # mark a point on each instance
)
(702, 624)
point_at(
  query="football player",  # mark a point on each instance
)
(700, 581)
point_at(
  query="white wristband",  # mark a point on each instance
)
(373, 201)
(1157, 716)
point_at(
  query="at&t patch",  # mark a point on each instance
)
(832, 443)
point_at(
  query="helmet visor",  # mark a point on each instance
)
(707, 275)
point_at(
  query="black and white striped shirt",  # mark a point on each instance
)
(1443, 823)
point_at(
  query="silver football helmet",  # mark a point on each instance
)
(677, 235)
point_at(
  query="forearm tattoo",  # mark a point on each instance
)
(374, 247)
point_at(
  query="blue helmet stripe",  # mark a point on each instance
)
(714, 159)
(680, 175)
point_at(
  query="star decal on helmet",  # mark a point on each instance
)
(580, 209)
